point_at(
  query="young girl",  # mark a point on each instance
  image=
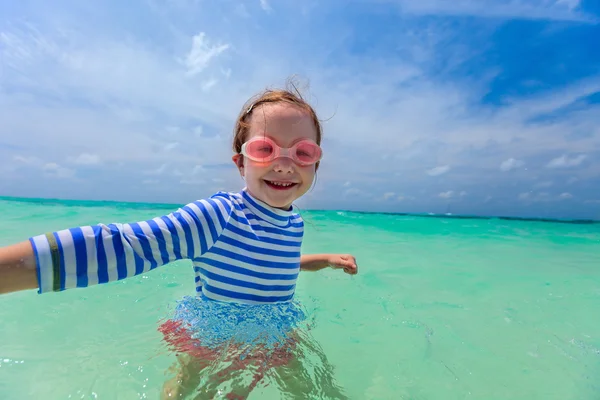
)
(244, 246)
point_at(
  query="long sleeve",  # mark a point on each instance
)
(89, 255)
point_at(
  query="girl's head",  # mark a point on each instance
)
(284, 119)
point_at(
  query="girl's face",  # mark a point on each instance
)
(282, 181)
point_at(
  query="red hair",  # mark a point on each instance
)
(290, 96)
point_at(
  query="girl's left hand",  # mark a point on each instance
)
(345, 261)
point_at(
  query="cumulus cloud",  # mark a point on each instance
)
(565, 161)
(544, 196)
(207, 85)
(452, 194)
(31, 160)
(565, 195)
(198, 169)
(56, 171)
(201, 53)
(265, 5)
(438, 170)
(85, 159)
(171, 146)
(174, 85)
(524, 195)
(511, 163)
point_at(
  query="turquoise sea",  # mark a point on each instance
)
(442, 308)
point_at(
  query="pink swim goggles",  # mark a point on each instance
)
(265, 150)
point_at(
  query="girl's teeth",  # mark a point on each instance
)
(280, 184)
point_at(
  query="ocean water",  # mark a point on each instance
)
(442, 308)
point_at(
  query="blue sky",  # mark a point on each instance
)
(467, 106)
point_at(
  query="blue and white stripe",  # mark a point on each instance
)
(242, 250)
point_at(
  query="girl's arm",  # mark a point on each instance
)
(90, 255)
(316, 262)
(17, 268)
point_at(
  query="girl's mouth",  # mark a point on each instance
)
(280, 185)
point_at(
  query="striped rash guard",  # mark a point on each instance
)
(242, 250)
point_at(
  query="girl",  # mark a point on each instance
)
(244, 246)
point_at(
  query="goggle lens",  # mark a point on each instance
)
(260, 149)
(308, 152)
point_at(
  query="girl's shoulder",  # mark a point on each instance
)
(231, 200)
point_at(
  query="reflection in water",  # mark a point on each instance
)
(227, 350)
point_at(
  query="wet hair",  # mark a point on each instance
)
(291, 95)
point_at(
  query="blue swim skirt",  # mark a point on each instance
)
(215, 323)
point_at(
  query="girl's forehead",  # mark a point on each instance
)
(278, 112)
(282, 120)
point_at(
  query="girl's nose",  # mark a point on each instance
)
(283, 164)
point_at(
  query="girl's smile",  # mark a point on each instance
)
(280, 185)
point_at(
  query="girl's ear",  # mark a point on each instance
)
(238, 160)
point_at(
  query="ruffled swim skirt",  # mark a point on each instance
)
(200, 326)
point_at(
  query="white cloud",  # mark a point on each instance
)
(452, 194)
(206, 86)
(171, 146)
(198, 169)
(265, 5)
(158, 171)
(198, 130)
(543, 196)
(202, 53)
(570, 4)
(226, 72)
(56, 171)
(565, 161)
(524, 196)
(86, 159)
(438, 170)
(389, 195)
(565, 195)
(28, 160)
(158, 82)
(511, 163)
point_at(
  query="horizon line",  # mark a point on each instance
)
(153, 205)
